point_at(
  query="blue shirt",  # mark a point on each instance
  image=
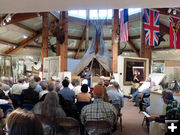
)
(115, 97)
(67, 94)
(38, 88)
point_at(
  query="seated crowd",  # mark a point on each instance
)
(35, 107)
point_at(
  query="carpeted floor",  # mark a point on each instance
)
(131, 120)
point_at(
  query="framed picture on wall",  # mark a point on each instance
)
(130, 67)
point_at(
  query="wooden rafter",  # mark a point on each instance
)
(22, 44)
(80, 43)
(164, 11)
(25, 28)
(7, 43)
(21, 17)
(133, 48)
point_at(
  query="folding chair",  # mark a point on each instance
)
(119, 114)
(69, 124)
(101, 127)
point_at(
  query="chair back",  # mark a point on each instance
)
(68, 125)
(117, 108)
(80, 105)
(100, 127)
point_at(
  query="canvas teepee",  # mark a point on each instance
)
(97, 50)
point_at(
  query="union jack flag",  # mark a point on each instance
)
(151, 27)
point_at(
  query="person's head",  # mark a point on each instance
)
(98, 92)
(84, 88)
(11, 79)
(86, 69)
(44, 86)
(116, 85)
(37, 79)
(51, 87)
(22, 122)
(106, 82)
(32, 85)
(65, 83)
(49, 105)
(21, 80)
(167, 95)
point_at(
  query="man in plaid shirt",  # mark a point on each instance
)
(99, 110)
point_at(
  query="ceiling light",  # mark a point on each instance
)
(174, 12)
(3, 23)
(169, 10)
(25, 36)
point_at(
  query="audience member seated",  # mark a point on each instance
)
(16, 92)
(51, 87)
(4, 95)
(174, 86)
(144, 89)
(49, 109)
(57, 85)
(44, 90)
(99, 110)
(172, 109)
(114, 96)
(44, 81)
(106, 97)
(50, 103)
(66, 92)
(83, 98)
(84, 95)
(77, 86)
(22, 122)
(38, 86)
(26, 82)
(29, 97)
(11, 81)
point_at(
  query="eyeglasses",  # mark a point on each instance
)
(5, 130)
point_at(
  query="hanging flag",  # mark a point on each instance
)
(174, 33)
(124, 26)
(151, 27)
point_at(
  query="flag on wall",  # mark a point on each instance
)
(174, 33)
(124, 26)
(151, 27)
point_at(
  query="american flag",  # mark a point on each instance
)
(151, 27)
(124, 26)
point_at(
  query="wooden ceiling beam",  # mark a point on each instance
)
(164, 11)
(7, 43)
(23, 44)
(21, 17)
(25, 28)
(80, 43)
(133, 48)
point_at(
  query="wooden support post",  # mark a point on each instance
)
(80, 43)
(64, 46)
(145, 50)
(44, 48)
(115, 41)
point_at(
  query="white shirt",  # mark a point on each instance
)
(42, 93)
(144, 86)
(2, 101)
(17, 88)
(77, 89)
